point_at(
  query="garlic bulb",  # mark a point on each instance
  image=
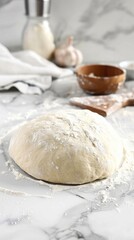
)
(67, 55)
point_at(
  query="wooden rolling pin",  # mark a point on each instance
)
(104, 104)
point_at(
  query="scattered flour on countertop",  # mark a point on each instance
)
(122, 176)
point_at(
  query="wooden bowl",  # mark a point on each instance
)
(100, 79)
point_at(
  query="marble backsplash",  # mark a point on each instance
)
(103, 30)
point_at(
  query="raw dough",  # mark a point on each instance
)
(69, 147)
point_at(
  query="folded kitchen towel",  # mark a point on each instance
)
(27, 71)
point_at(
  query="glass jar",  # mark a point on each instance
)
(37, 34)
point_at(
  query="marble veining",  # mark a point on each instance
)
(101, 210)
(103, 30)
(4, 2)
(104, 210)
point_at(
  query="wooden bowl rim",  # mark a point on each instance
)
(99, 77)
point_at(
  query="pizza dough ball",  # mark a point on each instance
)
(68, 147)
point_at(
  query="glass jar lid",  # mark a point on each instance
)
(37, 8)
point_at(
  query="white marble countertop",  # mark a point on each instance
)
(101, 210)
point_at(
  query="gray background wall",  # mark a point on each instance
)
(103, 29)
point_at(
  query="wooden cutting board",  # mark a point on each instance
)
(105, 104)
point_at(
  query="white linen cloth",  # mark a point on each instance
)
(27, 71)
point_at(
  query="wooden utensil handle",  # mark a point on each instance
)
(128, 100)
